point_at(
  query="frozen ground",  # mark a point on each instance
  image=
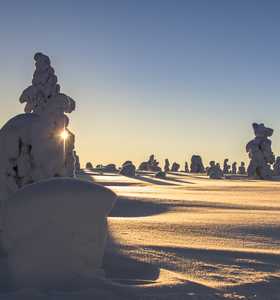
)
(186, 237)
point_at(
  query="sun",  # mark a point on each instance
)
(64, 135)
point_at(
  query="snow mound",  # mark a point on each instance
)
(54, 233)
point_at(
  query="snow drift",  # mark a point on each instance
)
(55, 232)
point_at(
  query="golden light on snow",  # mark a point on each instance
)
(64, 135)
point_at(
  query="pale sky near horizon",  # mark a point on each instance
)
(167, 77)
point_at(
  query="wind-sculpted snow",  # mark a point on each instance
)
(220, 234)
(184, 237)
(54, 233)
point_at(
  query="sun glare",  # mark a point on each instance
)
(64, 135)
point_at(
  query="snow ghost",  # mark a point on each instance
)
(89, 165)
(196, 164)
(151, 165)
(234, 168)
(166, 165)
(175, 167)
(128, 169)
(260, 152)
(226, 166)
(37, 145)
(214, 171)
(187, 167)
(242, 169)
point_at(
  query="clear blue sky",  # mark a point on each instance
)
(167, 77)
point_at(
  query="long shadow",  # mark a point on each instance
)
(136, 207)
(130, 272)
(97, 173)
(127, 270)
(184, 174)
(141, 276)
(192, 175)
(88, 177)
(179, 173)
(135, 279)
(216, 205)
(106, 183)
(199, 176)
(260, 232)
(145, 173)
(178, 180)
(129, 207)
(168, 178)
(154, 181)
(123, 271)
(268, 289)
(258, 261)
